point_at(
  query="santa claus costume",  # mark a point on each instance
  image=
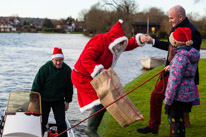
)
(99, 54)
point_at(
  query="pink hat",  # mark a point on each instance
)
(57, 53)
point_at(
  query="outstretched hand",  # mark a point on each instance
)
(145, 38)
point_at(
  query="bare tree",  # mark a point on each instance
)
(204, 25)
(199, 23)
(123, 9)
(82, 14)
(155, 14)
(194, 16)
(165, 25)
(102, 16)
(100, 20)
(97, 20)
(126, 6)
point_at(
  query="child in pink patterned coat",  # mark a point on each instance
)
(180, 91)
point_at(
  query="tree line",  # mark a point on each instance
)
(103, 15)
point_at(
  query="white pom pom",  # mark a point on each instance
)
(120, 21)
(189, 42)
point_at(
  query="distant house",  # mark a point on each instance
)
(144, 27)
(80, 26)
(9, 24)
(71, 26)
(7, 28)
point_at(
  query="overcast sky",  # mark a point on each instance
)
(57, 9)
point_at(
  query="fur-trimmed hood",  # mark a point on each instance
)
(116, 36)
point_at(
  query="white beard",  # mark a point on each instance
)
(117, 50)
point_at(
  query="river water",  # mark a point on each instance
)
(21, 55)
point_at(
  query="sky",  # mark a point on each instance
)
(57, 9)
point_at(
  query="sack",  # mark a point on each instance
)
(109, 88)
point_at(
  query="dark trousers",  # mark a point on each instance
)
(156, 99)
(58, 108)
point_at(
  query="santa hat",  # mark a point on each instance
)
(57, 53)
(181, 36)
(117, 35)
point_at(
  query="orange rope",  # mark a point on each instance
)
(124, 98)
(110, 103)
(163, 79)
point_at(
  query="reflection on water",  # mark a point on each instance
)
(23, 54)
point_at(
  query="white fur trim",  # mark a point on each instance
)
(57, 56)
(96, 70)
(120, 21)
(153, 42)
(90, 106)
(138, 40)
(117, 41)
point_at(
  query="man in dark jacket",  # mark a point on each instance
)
(53, 82)
(177, 17)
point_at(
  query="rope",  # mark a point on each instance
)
(110, 103)
(163, 79)
(123, 98)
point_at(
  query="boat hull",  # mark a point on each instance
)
(152, 62)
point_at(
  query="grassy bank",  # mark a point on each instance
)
(203, 43)
(141, 98)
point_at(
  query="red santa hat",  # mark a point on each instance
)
(117, 35)
(181, 36)
(57, 53)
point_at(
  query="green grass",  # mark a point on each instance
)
(203, 42)
(141, 98)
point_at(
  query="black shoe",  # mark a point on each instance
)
(147, 130)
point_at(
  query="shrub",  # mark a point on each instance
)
(153, 35)
(51, 30)
(161, 34)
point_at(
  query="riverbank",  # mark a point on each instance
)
(141, 98)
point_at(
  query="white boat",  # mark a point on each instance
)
(152, 62)
(23, 115)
